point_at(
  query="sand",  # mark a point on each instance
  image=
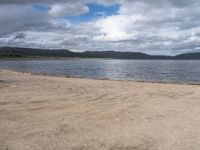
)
(55, 113)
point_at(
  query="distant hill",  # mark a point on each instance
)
(30, 52)
(16, 52)
(189, 56)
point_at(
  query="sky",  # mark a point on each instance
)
(166, 27)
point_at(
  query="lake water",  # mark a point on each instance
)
(170, 71)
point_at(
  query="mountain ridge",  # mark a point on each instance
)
(17, 52)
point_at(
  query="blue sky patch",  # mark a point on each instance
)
(96, 11)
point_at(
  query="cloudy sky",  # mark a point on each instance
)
(150, 26)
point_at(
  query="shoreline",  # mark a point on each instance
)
(47, 112)
(106, 79)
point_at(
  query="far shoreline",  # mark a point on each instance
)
(53, 58)
(89, 58)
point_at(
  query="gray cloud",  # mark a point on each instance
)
(32, 1)
(106, 2)
(20, 36)
(15, 18)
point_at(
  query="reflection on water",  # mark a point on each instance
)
(174, 71)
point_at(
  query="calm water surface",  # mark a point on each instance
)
(172, 71)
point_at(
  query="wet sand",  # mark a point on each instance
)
(54, 113)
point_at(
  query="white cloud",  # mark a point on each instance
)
(117, 27)
(68, 9)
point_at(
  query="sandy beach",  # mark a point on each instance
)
(55, 113)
